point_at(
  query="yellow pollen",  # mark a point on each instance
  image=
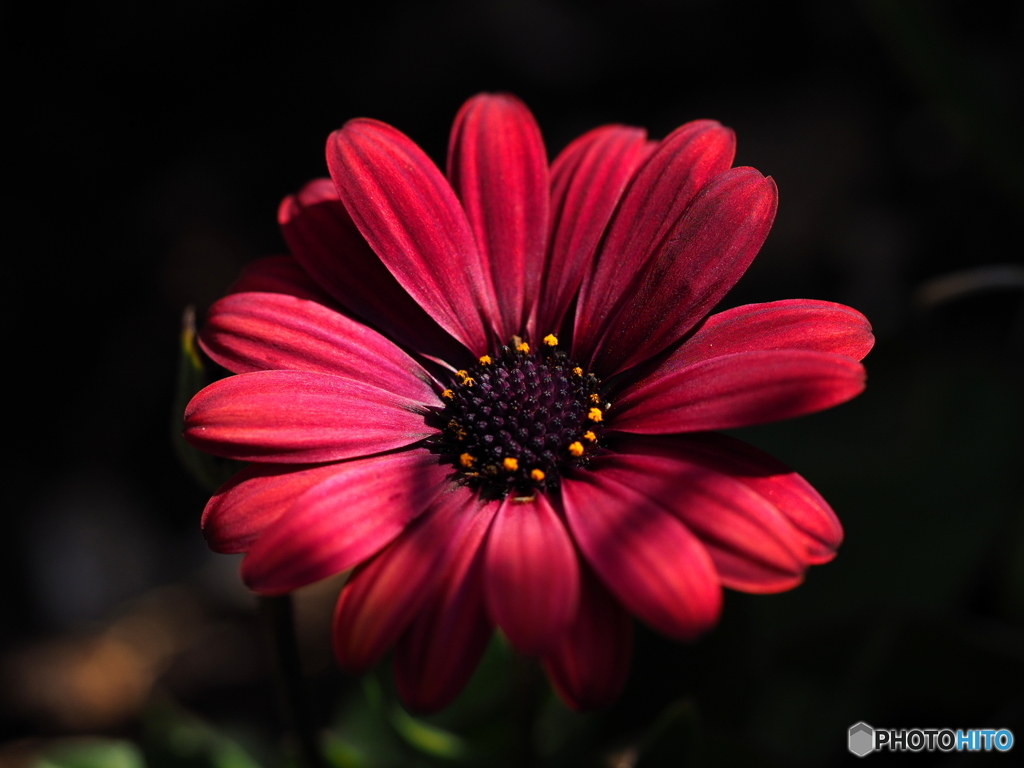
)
(448, 395)
(577, 371)
(453, 425)
(595, 398)
(594, 414)
(462, 374)
(523, 347)
(467, 460)
(551, 340)
(576, 448)
(510, 464)
(485, 360)
(469, 381)
(589, 436)
(537, 475)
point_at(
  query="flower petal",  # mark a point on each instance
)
(247, 332)
(753, 546)
(412, 219)
(341, 521)
(684, 162)
(384, 595)
(587, 180)
(532, 574)
(279, 274)
(737, 390)
(499, 169)
(816, 533)
(589, 666)
(253, 500)
(696, 264)
(295, 417)
(438, 653)
(644, 555)
(323, 238)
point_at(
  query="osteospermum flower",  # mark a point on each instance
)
(492, 394)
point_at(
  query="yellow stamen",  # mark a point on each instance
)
(462, 374)
(589, 436)
(537, 475)
(576, 448)
(485, 360)
(467, 460)
(448, 395)
(594, 414)
(551, 340)
(453, 425)
(595, 398)
(577, 371)
(469, 381)
(510, 464)
(523, 347)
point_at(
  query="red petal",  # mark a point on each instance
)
(587, 180)
(436, 656)
(647, 558)
(700, 259)
(589, 666)
(321, 234)
(385, 594)
(412, 219)
(682, 164)
(294, 417)
(247, 332)
(532, 576)
(737, 390)
(499, 169)
(251, 501)
(279, 274)
(753, 546)
(340, 522)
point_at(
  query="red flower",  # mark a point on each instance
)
(493, 395)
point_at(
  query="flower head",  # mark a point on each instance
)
(493, 394)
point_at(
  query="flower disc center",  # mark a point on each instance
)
(513, 422)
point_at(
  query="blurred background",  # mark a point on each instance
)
(149, 146)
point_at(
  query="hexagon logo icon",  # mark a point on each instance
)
(862, 739)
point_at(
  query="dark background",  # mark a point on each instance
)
(147, 151)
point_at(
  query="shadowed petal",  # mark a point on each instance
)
(532, 574)
(643, 554)
(737, 390)
(294, 417)
(266, 331)
(684, 162)
(323, 238)
(753, 546)
(697, 263)
(587, 180)
(499, 169)
(280, 274)
(253, 499)
(340, 522)
(437, 655)
(588, 667)
(384, 595)
(412, 219)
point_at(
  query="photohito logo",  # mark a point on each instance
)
(863, 739)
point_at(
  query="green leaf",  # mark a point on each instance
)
(91, 753)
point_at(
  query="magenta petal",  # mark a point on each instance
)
(684, 162)
(737, 390)
(252, 500)
(247, 332)
(700, 259)
(279, 274)
(499, 169)
(436, 656)
(295, 417)
(532, 575)
(589, 666)
(644, 555)
(412, 219)
(384, 595)
(323, 238)
(340, 522)
(587, 180)
(753, 546)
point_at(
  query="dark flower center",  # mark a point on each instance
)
(515, 421)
